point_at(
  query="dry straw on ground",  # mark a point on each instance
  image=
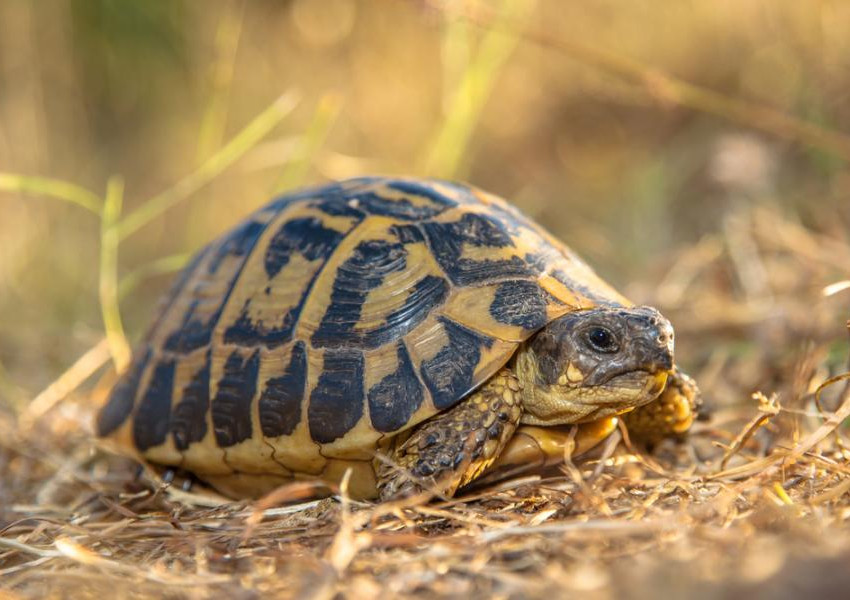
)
(754, 501)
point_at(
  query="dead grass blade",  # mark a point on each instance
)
(119, 347)
(52, 188)
(70, 380)
(212, 167)
(661, 86)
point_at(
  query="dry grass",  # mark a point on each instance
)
(754, 501)
(700, 149)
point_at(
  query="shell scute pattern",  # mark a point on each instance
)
(204, 311)
(397, 396)
(149, 427)
(280, 402)
(336, 403)
(336, 316)
(231, 407)
(370, 262)
(268, 302)
(120, 405)
(188, 419)
(450, 374)
(521, 303)
(450, 241)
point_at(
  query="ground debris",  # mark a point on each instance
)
(754, 502)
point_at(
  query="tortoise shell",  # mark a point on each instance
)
(335, 317)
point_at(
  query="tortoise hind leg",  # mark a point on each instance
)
(454, 447)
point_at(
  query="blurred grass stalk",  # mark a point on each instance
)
(227, 36)
(212, 167)
(158, 266)
(448, 147)
(108, 285)
(664, 88)
(113, 229)
(52, 188)
(297, 167)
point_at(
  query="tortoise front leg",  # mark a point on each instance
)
(670, 415)
(454, 447)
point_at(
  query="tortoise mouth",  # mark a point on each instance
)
(621, 393)
(641, 383)
(560, 405)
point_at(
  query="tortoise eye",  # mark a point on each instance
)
(602, 340)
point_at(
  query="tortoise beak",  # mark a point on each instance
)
(658, 343)
(663, 361)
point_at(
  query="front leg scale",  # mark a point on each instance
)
(454, 447)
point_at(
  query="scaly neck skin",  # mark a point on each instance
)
(544, 404)
(570, 400)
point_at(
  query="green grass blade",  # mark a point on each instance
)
(449, 145)
(221, 78)
(221, 160)
(108, 285)
(665, 88)
(52, 188)
(327, 111)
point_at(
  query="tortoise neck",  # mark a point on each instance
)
(545, 404)
(532, 386)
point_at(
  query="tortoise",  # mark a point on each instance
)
(415, 331)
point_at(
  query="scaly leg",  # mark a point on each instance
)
(454, 447)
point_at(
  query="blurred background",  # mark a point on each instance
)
(692, 152)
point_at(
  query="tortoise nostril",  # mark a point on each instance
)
(665, 336)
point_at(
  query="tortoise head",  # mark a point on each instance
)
(595, 363)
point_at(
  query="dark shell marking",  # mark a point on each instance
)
(313, 241)
(280, 403)
(449, 375)
(153, 417)
(196, 331)
(231, 407)
(364, 271)
(336, 403)
(254, 351)
(189, 420)
(305, 235)
(521, 303)
(447, 240)
(397, 396)
(120, 403)
(425, 295)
